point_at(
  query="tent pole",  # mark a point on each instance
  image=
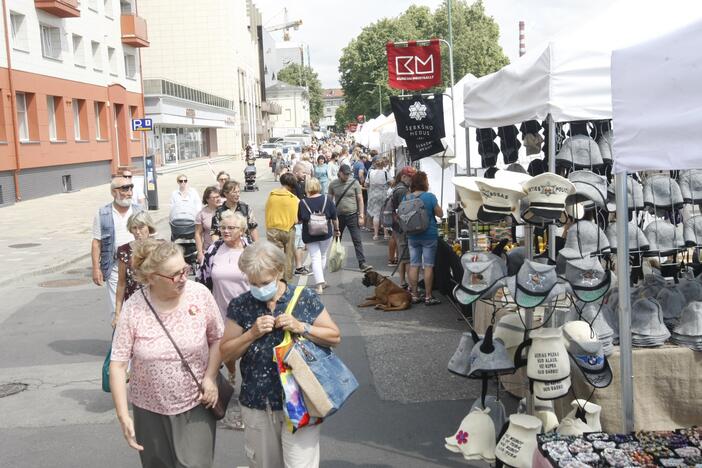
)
(623, 273)
(551, 168)
(529, 313)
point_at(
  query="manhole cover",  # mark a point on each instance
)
(12, 388)
(24, 246)
(64, 283)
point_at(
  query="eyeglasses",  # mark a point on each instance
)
(183, 181)
(229, 228)
(182, 274)
(125, 188)
(233, 192)
(127, 176)
(223, 179)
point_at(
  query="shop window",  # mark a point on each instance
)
(50, 41)
(78, 51)
(100, 120)
(19, 31)
(97, 55)
(80, 120)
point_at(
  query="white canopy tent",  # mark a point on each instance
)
(657, 103)
(569, 78)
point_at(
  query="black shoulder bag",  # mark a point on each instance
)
(224, 388)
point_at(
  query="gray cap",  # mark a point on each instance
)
(690, 182)
(637, 238)
(489, 358)
(579, 152)
(672, 302)
(660, 191)
(664, 238)
(591, 312)
(605, 145)
(692, 231)
(588, 280)
(647, 325)
(460, 361)
(534, 283)
(590, 192)
(482, 272)
(587, 353)
(584, 238)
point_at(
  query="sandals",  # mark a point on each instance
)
(431, 301)
(416, 299)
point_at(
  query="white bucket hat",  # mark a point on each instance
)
(691, 289)
(469, 195)
(690, 182)
(547, 195)
(543, 409)
(570, 426)
(510, 329)
(584, 238)
(516, 446)
(692, 231)
(672, 302)
(637, 238)
(475, 438)
(550, 390)
(547, 358)
(589, 410)
(579, 152)
(688, 331)
(660, 191)
(664, 238)
(590, 192)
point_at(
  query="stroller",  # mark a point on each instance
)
(183, 234)
(250, 176)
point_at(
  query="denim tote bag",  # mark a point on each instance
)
(325, 380)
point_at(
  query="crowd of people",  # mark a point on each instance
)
(234, 311)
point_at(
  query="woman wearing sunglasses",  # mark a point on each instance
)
(185, 201)
(171, 425)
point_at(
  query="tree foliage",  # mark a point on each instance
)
(298, 75)
(475, 44)
(340, 119)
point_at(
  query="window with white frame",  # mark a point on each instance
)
(125, 7)
(76, 119)
(130, 66)
(93, 5)
(78, 51)
(51, 107)
(97, 55)
(50, 41)
(22, 119)
(108, 8)
(98, 133)
(19, 31)
(112, 59)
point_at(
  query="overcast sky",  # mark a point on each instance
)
(329, 25)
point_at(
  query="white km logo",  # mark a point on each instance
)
(412, 65)
(417, 111)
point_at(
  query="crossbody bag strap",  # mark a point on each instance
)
(182, 358)
(291, 306)
(344, 192)
(324, 205)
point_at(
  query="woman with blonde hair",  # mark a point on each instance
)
(317, 244)
(141, 226)
(256, 322)
(172, 425)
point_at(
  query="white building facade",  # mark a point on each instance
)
(333, 98)
(294, 105)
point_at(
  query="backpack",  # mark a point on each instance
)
(412, 215)
(387, 213)
(318, 225)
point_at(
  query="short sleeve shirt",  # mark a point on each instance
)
(242, 208)
(122, 234)
(348, 204)
(159, 382)
(260, 385)
(204, 218)
(430, 203)
(316, 204)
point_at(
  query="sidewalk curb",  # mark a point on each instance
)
(166, 169)
(57, 266)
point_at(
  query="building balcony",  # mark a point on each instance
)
(134, 31)
(60, 8)
(271, 108)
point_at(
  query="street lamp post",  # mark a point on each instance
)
(380, 95)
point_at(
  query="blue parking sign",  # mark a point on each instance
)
(142, 125)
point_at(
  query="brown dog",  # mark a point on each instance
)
(388, 295)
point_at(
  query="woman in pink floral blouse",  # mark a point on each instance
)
(171, 425)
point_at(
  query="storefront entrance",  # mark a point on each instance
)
(170, 148)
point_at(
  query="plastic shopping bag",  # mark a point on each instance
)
(337, 256)
(294, 407)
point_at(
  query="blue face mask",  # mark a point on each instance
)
(265, 293)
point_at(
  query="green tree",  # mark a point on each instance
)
(298, 75)
(341, 118)
(475, 42)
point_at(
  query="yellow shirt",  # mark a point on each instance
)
(281, 210)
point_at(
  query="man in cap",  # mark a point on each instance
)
(110, 232)
(348, 197)
(398, 193)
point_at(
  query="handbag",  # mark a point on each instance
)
(325, 380)
(318, 225)
(294, 405)
(225, 391)
(337, 256)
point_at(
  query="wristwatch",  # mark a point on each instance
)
(307, 328)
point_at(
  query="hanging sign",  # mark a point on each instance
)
(414, 66)
(420, 121)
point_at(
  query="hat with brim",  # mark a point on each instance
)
(489, 358)
(588, 280)
(547, 194)
(690, 322)
(660, 191)
(690, 182)
(584, 238)
(459, 363)
(532, 283)
(469, 195)
(579, 152)
(664, 238)
(501, 196)
(590, 192)
(637, 238)
(692, 231)
(690, 289)
(587, 353)
(482, 277)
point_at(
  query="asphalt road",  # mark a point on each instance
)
(53, 337)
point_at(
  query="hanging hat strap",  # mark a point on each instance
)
(483, 392)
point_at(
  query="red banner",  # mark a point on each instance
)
(414, 67)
